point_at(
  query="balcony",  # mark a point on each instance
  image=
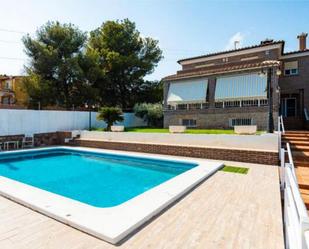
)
(191, 106)
(219, 105)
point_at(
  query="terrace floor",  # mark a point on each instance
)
(228, 210)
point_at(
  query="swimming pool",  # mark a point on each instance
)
(98, 179)
(105, 193)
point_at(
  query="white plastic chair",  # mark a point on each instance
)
(28, 141)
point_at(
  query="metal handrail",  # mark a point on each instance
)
(296, 220)
(291, 162)
(281, 131)
(282, 124)
(306, 114)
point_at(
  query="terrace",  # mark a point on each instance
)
(228, 210)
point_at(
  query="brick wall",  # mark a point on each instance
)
(51, 138)
(296, 83)
(219, 118)
(270, 158)
(18, 137)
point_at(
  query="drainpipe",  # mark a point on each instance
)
(270, 128)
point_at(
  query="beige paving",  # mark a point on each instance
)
(228, 210)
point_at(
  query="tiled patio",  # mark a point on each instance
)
(226, 211)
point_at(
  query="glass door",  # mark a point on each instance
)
(291, 107)
(288, 107)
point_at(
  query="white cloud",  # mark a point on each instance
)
(236, 37)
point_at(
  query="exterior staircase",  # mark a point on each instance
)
(299, 143)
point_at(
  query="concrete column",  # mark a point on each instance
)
(212, 89)
(166, 87)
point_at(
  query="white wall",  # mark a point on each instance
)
(32, 121)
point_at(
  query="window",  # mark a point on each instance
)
(7, 84)
(240, 121)
(291, 68)
(250, 102)
(182, 107)
(189, 122)
(171, 107)
(235, 103)
(194, 106)
(264, 102)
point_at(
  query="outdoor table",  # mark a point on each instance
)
(14, 143)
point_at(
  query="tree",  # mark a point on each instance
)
(150, 113)
(150, 92)
(125, 58)
(110, 115)
(58, 68)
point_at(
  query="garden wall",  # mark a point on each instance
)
(14, 122)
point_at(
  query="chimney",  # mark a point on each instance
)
(267, 41)
(302, 41)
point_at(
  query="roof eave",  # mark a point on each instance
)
(233, 51)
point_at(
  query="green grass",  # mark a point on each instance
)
(188, 131)
(147, 130)
(233, 169)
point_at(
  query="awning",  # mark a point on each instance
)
(189, 91)
(246, 86)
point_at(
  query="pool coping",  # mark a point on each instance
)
(111, 224)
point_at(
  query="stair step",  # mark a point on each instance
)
(296, 134)
(296, 142)
(301, 148)
(304, 191)
(301, 163)
(302, 174)
(303, 186)
(305, 198)
(299, 143)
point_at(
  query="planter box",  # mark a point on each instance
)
(117, 128)
(245, 129)
(177, 129)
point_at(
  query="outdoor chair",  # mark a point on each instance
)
(28, 141)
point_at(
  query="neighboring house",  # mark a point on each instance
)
(230, 88)
(12, 91)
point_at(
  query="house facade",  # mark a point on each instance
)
(245, 86)
(12, 91)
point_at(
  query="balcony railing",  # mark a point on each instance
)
(220, 104)
(241, 103)
(191, 106)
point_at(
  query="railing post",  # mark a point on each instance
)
(282, 160)
(304, 227)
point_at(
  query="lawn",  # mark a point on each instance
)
(233, 169)
(189, 131)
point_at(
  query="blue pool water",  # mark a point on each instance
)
(98, 179)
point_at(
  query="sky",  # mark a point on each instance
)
(184, 28)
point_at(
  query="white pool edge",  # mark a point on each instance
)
(115, 223)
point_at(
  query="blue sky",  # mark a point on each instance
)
(183, 28)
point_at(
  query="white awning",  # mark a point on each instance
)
(248, 86)
(189, 91)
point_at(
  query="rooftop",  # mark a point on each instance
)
(227, 69)
(262, 44)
